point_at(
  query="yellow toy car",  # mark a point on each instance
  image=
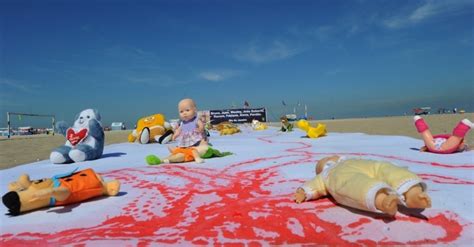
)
(150, 129)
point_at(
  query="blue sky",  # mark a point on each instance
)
(134, 58)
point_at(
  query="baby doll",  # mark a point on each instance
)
(26, 195)
(191, 130)
(368, 185)
(443, 144)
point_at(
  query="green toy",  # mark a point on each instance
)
(200, 153)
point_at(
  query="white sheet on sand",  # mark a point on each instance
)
(247, 197)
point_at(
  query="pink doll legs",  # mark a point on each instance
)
(453, 142)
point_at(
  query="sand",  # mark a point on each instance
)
(26, 149)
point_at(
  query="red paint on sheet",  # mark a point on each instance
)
(229, 206)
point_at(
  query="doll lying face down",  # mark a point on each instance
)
(368, 185)
(27, 195)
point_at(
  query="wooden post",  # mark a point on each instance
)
(8, 122)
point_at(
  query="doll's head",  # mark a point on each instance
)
(284, 120)
(324, 161)
(187, 109)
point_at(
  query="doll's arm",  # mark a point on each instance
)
(200, 126)
(176, 133)
(311, 190)
(59, 194)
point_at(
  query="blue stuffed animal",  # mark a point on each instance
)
(84, 140)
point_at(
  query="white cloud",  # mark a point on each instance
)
(429, 10)
(335, 71)
(16, 85)
(323, 32)
(277, 50)
(152, 79)
(129, 53)
(211, 76)
(218, 75)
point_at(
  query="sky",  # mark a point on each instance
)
(130, 59)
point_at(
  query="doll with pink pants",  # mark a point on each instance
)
(443, 144)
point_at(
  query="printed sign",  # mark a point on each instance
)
(238, 115)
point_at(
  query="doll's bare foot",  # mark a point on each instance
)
(386, 203)
(416, 198)
(199, 160)
(300, 195)
(112, 188)
(23, 182)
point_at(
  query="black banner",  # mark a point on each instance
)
(238, 115)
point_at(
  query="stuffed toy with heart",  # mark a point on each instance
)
(84, 140)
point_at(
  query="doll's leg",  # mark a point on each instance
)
(407, 184)
(451, 142)
(416, 198)
(462, 128)
(424, 131)
(196, 156)
(387, 203)
(363, 192)
(459, 132)
(175, 158)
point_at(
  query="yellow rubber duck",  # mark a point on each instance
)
(312, 132)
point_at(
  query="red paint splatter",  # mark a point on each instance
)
(228, 206)
(444, 179)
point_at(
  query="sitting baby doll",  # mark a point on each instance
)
(368, 185)
(27, 195)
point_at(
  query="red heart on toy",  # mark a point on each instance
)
(76, 137)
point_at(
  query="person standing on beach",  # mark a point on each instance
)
(190, 132)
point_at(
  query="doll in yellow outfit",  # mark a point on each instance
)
(369, 185)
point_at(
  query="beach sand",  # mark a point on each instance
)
(26, 149)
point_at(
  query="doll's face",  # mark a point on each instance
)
(187, 109)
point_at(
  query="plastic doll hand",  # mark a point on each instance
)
(300, 195)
